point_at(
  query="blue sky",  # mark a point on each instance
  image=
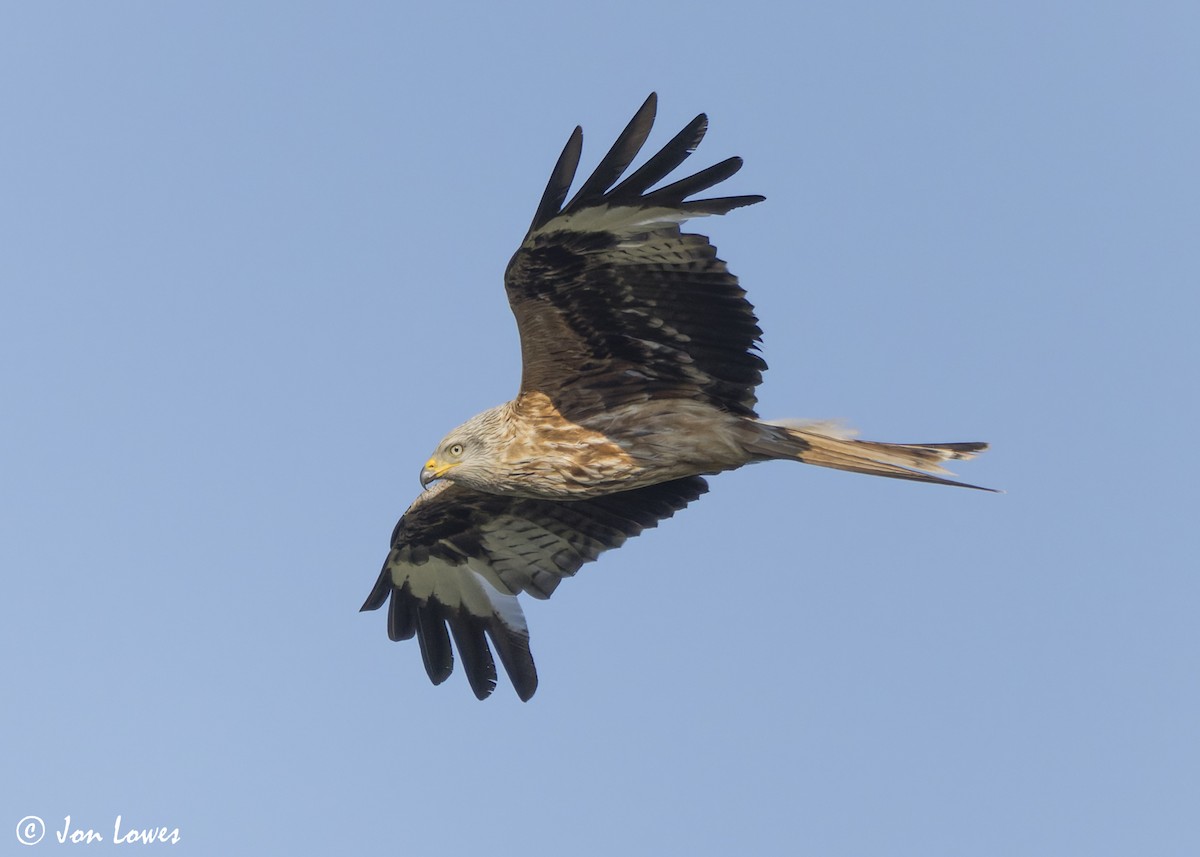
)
(251, 272)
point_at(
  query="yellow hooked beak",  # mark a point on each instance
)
(433, 470)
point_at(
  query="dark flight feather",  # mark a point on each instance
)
(560, 180)
(661, 164)
(619, 157)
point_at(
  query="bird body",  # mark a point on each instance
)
(529, 449)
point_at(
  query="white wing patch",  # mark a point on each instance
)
(505, 607)
(467, 587)
(617, 220)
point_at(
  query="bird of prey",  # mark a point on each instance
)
(639, 369)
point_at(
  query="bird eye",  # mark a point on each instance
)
(455, 449)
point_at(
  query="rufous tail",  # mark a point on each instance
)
(828, 445)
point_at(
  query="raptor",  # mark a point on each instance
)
(639, 368)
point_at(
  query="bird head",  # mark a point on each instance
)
(463, 455)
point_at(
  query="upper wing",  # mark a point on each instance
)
(614, 303)
(459, 558)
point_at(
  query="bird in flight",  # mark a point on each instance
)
(639, 369)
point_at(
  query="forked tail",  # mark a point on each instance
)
(828, 445)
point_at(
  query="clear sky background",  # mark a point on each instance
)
(250, 272)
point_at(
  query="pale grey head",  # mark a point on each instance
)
(469, 454)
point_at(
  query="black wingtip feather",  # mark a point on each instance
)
(560, 180)
(476, 656)
(721, 205)
(402, 616)
(619, 157)
(380, 591)
(514, 653)
(675, 193)
(435, 644)
(663, 162)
